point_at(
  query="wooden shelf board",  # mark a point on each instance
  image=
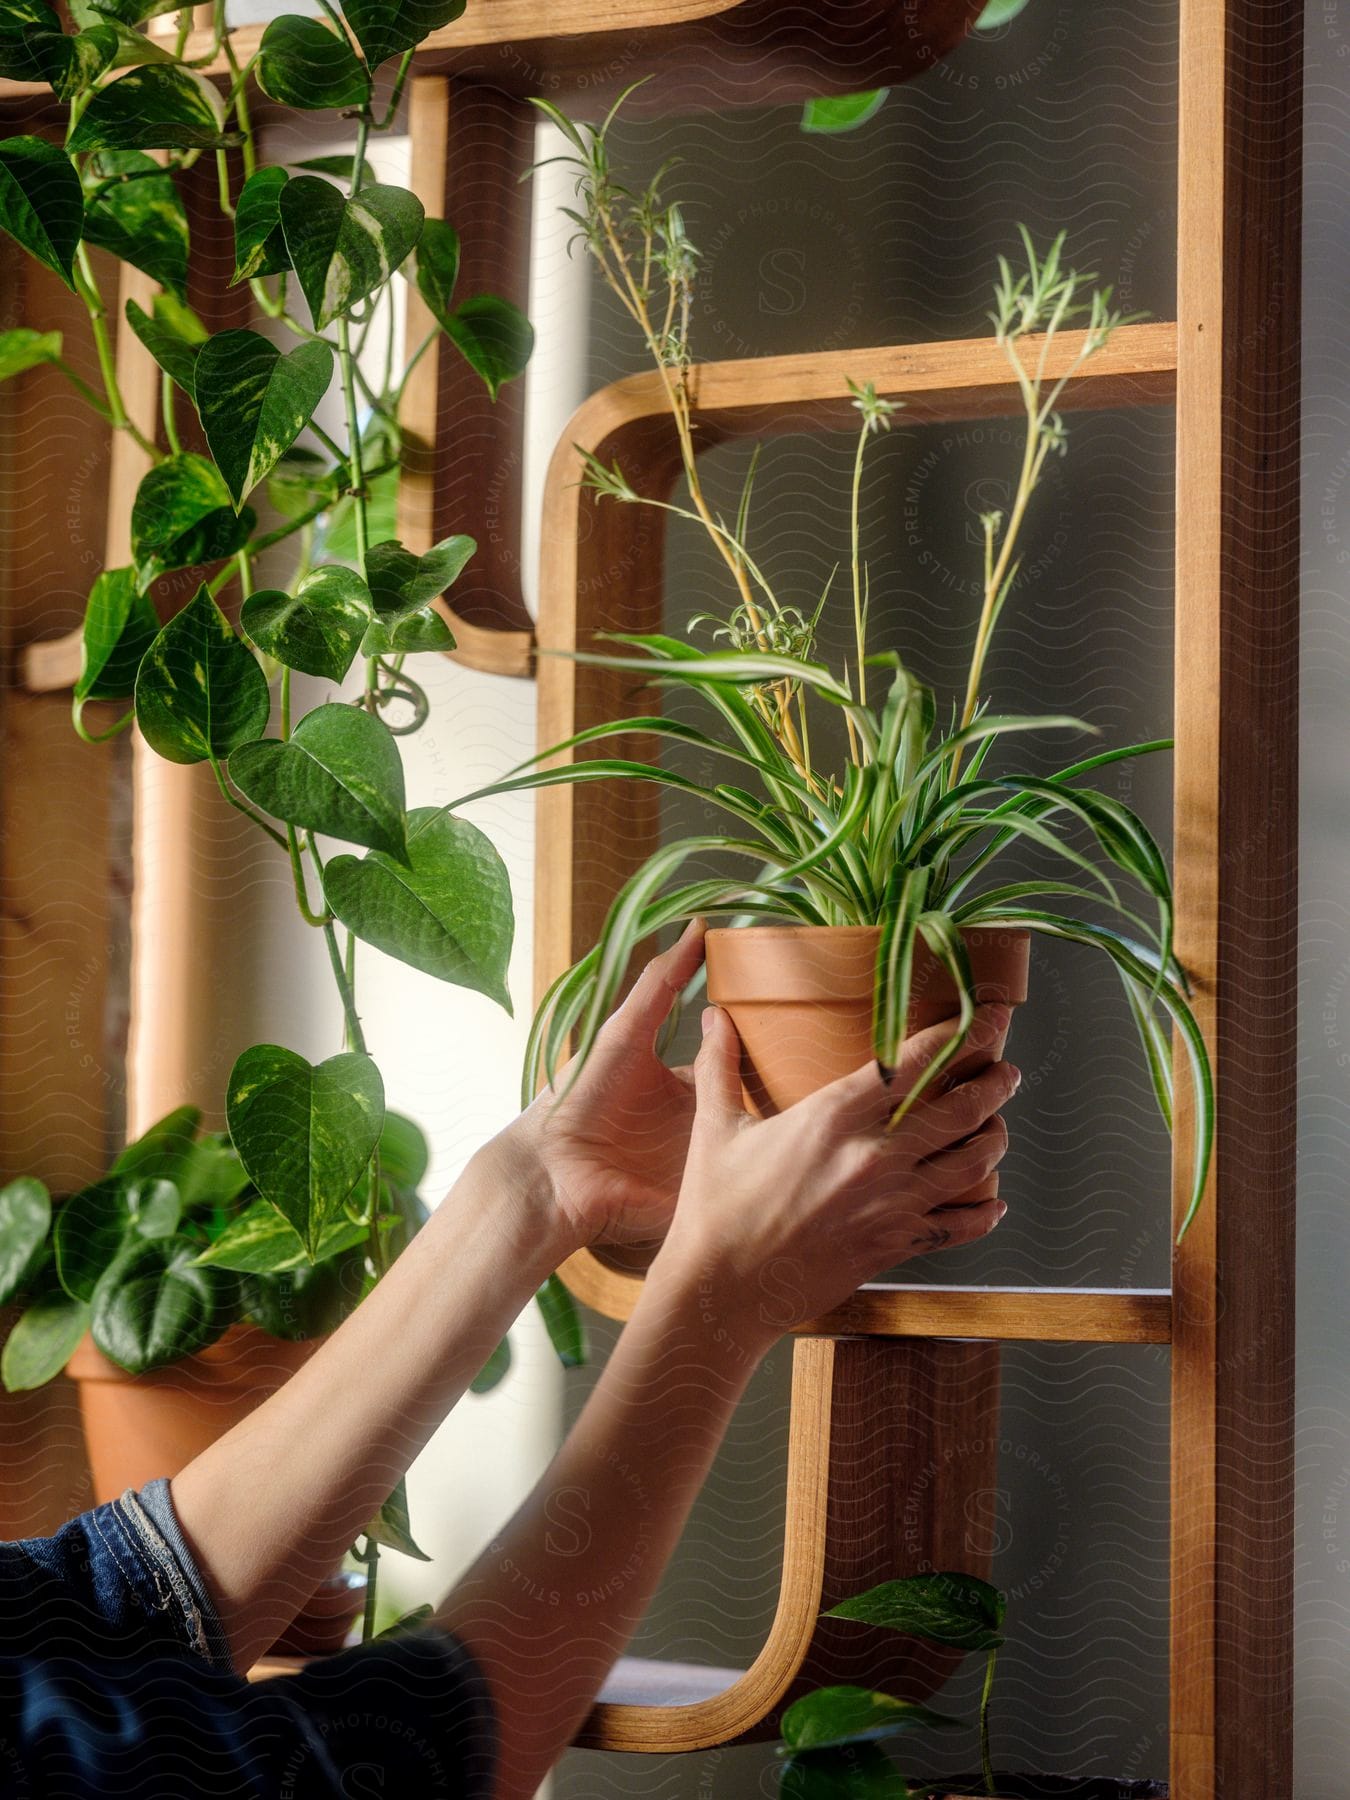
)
(703, 52)
(948, 380)
(899, 1309)
(963, 378)
(644, 1681)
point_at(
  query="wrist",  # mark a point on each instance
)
(727, 1314)
(517, 1186)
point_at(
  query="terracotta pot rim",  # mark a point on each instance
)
(1005, 933)
(833, 967)
(242, 1356)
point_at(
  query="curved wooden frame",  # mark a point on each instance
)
(865, 1415)
(602, 570)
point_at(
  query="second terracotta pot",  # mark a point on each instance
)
(801, 997)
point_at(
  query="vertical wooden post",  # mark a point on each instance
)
(1236, 728)
(428, 132)
(162, 792)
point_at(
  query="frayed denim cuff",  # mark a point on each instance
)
(169, 1578)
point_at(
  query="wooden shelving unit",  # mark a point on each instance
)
(891, 1375)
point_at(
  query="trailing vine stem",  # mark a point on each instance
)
(87, 288)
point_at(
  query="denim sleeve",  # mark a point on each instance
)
(127, 1563)
(110, 1685)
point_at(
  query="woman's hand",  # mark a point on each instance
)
(781, 1219)
(613, 1148)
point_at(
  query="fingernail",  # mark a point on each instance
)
(1017, 1078)
(1002, 1208)
(709, 1013)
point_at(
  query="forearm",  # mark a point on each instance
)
(552, 1602)
(271, 1507)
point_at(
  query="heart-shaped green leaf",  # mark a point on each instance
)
(391, 1525)
(34, 47)
(343, 167)
(860, 1772)
(303, 62)
(306, 1135)
(95, 1225)
(133, 48)
(27, 28)
(307, 1302)
(260, 1242)
(402, 583)
(129, 12)
(213, 1177)
(120, 625)
(23, 348)
(957, 1610)
(339, 772)
(174, 336)
(155, 1208)
(563, 1323)
(142, 221)
(438, 267)
(494, 338)
(494, 1371)
(89, 1230)
(259, 244)
(448, 913)
(162, 107)
(404, 1155)
(153, 1304)
(999, 12)
(832, 114)
(25, 1217)
(319, 628)
(44, 52)
(385, 28)
(302, 479)
(849, 1715)
(41, 202)
(183, 515)
(423, 630)
(163, 1150)
(200, 693)
(43, 1341)
(343, 249)
(254, 402)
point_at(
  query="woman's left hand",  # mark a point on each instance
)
(613, 1147)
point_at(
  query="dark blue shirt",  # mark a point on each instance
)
(115, 1685)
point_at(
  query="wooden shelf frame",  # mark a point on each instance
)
(703, 53)
(1229, 363)
(1003, 1315)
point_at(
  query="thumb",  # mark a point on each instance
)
(717, 1070)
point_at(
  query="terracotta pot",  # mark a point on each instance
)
(801, 998)
(139, 1427)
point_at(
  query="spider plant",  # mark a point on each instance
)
(908, 834)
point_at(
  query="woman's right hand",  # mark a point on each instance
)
(781, 1219)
